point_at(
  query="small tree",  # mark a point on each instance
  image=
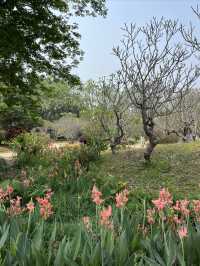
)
(110, 106)
(185, 122)
(154, 70)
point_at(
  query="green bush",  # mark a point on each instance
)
(28, 145)
(172, 138)
(95, 138)
(2, 135)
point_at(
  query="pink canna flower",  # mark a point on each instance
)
(46, 211)
(150, 216)
(15, 206)
(42, 201)
(49, 193)
(165, 196)
(159, 204)
(121, 198)
(45, 207)
(96, 196)
(9, 190)
(196, 206)
(105, 215)
(96, 192)
(165, 199)
(182, 207)
(30, 207)
(182, 232)
(86, 222)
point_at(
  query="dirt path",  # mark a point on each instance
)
(7, 155)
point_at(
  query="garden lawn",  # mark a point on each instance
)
(174, 166)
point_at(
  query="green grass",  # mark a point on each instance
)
(175, 166)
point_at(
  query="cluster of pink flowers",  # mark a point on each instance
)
(176, 214)
(46, 208)
(121, 198)
(15, 203)
(105, 213)
(5, 194)
(15, 207)
(96, 196)
(164, 199)
(182, 207)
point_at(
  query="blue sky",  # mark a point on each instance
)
(99, 35)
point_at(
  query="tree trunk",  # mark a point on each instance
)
(148, 125)
(113, 148)
(149, 149)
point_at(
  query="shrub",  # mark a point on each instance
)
(172, 138)
(95, 142)
(28, 145)
(68, 127)
(13, 132)
(131, 141)
(2, 135)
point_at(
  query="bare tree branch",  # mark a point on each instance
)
(155, 71)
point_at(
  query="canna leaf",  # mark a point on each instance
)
(4, 237)
(76, 243)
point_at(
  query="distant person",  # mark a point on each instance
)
(82, 140)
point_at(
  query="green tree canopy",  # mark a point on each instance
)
(60, 98)
(38, 40)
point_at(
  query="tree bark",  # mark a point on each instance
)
(113, 148)
(149, 149)
(148, 125)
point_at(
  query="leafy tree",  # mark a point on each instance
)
(60, 98)
(18, 110)
(38, 39)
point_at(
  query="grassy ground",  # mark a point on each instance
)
(175, 166)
